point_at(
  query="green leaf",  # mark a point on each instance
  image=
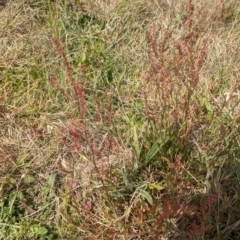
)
(155, 186)
(155, 149)
(52, 179)
(144, 194)
(208, 107)
(36, 229)
(157, 146)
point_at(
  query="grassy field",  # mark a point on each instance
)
(120, 119)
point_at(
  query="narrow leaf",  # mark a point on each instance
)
(155, 186)
(145, 194)
(155, 149)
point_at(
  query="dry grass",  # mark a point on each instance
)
(119, 119)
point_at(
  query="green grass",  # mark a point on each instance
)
(119, 120)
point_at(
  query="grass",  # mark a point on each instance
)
(119, 120)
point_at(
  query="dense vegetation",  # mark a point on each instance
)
(119, 119)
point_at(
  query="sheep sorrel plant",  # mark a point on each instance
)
(87, 148)
(186, 132)
(175, 65)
